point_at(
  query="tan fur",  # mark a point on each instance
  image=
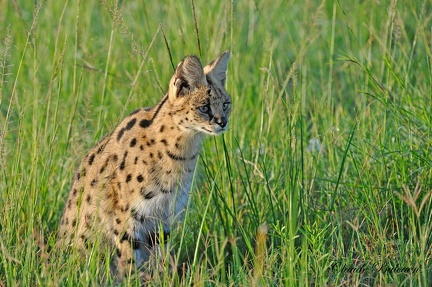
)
(138, 178)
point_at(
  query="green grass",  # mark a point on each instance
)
(329, 147)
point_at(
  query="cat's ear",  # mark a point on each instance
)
(188, 76)
(217, 68)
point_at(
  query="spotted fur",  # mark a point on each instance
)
(139, 177)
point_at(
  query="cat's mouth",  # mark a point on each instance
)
(215, 130)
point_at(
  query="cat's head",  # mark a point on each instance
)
(198, 97)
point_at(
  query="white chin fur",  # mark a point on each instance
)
(214, 131)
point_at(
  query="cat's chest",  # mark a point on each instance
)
(169, 197)
(166, 183)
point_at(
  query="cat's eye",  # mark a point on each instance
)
(204, 109)
(225, 106)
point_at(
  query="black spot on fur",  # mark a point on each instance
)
(160, 155)
(151, 142)
(128, 238)
(125, 237)
(145, 123)
(162, 128)
(115, 203)
(135, 244)
(130, 261)
(115, 158)
(128, 177)
(120, 134)
(137, 216)
(147, 194)
(93, 182)
(115, 231)
(118, 252)
(125, 208)
(134, 112)
(133, 212)
(123, 163)
(88, 199)
(136, 160)
(102, 147)
(141, 147)
(91, 159)
(133, 142)
(128, 126)
(174, 156)
(74, 192)
(164, 141)
(118, 220)
(73, 223)
(140, 178)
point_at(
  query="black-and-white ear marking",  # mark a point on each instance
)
(182, 87)
(188, 75)
(217, 68)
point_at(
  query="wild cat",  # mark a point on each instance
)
(138, 178)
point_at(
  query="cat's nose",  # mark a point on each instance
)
(221, 121)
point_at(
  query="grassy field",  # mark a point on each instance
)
(324, 178)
